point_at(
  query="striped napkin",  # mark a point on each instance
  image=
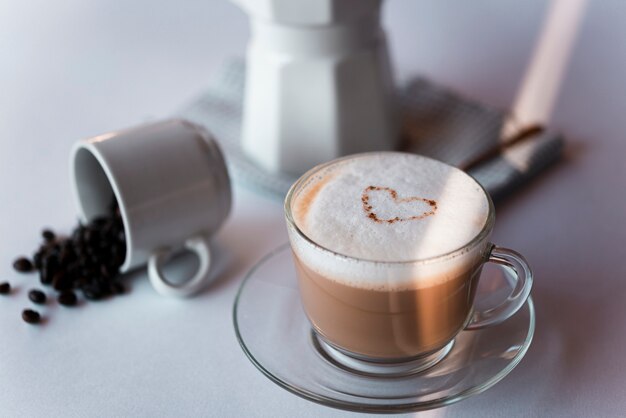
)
(438, 123)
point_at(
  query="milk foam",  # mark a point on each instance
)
(387, 207)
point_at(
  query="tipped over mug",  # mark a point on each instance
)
(171, 183)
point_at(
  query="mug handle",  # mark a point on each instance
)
(197, 244)
(517, 298)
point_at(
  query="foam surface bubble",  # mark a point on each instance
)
(390, 207)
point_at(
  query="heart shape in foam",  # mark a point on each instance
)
(382, 205)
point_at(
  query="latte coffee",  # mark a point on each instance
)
(388, 248)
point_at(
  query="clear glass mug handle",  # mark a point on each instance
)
(198, 245)
(517, 298)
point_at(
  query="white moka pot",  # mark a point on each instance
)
(318, 83)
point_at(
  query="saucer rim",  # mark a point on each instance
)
(378, 409)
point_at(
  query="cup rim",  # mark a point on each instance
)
(88, 145)
(479, 238)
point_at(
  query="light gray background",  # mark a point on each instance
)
(71, 69)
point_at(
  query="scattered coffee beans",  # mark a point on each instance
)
(37, 296)
(88, 260)
(23, 265)
(67, 298)
(30, 316)
(5, 288)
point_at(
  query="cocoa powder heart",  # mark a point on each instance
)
(421, 213)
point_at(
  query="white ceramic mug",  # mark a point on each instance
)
(172, 187)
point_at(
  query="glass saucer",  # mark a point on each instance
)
(275, 334)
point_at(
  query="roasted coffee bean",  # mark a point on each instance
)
(48, 235)
(88, 260)
(30, 316)
(67, 298)
(5, 288)
(37, 296)
(23, 265)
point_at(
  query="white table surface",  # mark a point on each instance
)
(71, 69)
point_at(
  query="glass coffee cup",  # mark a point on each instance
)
(373, 312)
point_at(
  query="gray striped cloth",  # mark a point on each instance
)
(444, 126)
